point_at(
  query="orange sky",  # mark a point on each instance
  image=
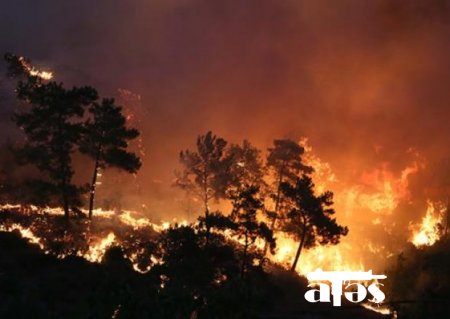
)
(365, 81)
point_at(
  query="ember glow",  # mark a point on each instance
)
(384, 310)
(44, 75)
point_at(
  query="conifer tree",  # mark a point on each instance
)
(105, 139)
(205, 172)
(52, 127)
(310, 220)
(284, 164)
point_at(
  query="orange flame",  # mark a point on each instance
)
(44, 75)
(24, 232)
(384, 310)
(97, 250)
(330, 258)
(429, 230)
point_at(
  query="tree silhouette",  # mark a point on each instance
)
(246, 226)
(310, 218)
(105, 139)
(205, 170)
(246, 168)
(51, 128)
(8, 177)
(193, 270)
(284, 162)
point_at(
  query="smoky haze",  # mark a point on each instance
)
(365, 81)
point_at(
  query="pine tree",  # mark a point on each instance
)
(206, 169)
(285, 164)
(246, 168)
(246, 204)
(105, 139)
(52, 128)
(310, 220)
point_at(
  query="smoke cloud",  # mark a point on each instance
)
(366, 82)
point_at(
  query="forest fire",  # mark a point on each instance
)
(318, 257)
(377, 193)
(199, 159)
(84, 240)
(349, 255)
(381, 198)
(430, 229)
(328, 257)
(333, 258)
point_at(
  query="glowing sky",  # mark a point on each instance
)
(364, 80)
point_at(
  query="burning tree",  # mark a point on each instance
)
(105, 140)
(19, 66)
(310, 218)
(51, 128)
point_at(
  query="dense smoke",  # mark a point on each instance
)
(366, 82)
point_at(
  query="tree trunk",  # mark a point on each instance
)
(277, 205)
(299, 250)
(208, 226)
(244, 258)
(205, 193)
(65, 201)
(64, 170)
(94, 183)
(92, 191)
(205, 202)
(62, 184)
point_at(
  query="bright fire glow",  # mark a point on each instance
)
(430, 229)
(44, 75)
(24, 232)
(388, 190)
(330, 258)
(97, 250)
(384, 310)
(378, 192)
(98, 244)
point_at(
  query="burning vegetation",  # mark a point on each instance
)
(260, 215)
(21, 64)
(46, 228)
(431, 229)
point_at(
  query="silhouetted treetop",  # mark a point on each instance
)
(205, 169)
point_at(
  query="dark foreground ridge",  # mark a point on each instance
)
(38, 285)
